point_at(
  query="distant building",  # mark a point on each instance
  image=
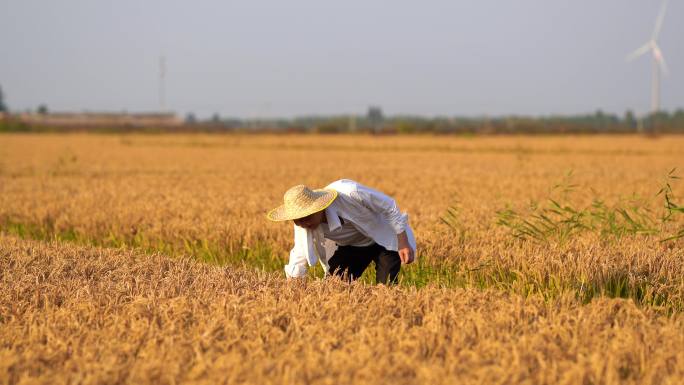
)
(100, 119)
(375, 118)
(375, 114)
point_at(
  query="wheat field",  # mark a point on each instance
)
(90, 315)
(148, 259)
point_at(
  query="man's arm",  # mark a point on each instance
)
(297, 266)
(406, 253)
(383, 204)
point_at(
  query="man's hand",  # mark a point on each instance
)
(405, 251)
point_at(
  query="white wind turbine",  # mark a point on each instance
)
(658, 59)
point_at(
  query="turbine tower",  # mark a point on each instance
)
(162, 85)
(658, 59)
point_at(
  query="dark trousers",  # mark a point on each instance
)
(350, 262)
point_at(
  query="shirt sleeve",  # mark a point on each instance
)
(384, 205)
(297, 265)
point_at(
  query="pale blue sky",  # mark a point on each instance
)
(286, 58)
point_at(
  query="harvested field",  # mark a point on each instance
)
(148, 258)
(89, 315)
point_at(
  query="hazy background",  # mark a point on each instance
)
(287, 58)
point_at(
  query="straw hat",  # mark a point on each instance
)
(301, 201)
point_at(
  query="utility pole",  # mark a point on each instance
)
(162, 85)
(351, 127)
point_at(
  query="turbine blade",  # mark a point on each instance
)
(659, 21)
(639, 51)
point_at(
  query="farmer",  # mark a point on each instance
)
(345, 226)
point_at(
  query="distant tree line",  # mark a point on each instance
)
(597, 123)
(375, 122)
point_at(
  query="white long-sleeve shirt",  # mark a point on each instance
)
(373, 213)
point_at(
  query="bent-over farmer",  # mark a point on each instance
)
(345, 226)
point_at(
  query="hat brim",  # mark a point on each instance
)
(280, 213)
